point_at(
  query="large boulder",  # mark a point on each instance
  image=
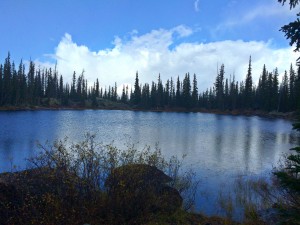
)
(136, 176)
(137, 190)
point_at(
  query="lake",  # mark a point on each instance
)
(218, 147)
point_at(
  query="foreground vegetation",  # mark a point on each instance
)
(88, 182)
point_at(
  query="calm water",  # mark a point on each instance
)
(218, 147)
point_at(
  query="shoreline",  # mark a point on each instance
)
(259, 113)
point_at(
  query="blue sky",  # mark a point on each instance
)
(104, 37)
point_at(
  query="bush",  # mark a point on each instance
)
(89, 182)
(288, 181)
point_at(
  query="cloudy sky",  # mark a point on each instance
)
(112, 39)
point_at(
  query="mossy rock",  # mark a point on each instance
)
(139, 190)
(136, 175)
(169, 200)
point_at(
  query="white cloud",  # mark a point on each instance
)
(182, 31)
(196, 5)
(150, 54)
(270, 10)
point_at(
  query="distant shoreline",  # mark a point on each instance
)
(273, 114)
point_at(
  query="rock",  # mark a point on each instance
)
(169, 200)
(139, 189)
(136, 175)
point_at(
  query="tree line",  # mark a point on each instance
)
(40, 87)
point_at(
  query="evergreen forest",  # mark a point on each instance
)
(20, 87)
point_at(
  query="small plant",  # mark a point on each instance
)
(248, 200)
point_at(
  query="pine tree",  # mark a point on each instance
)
(233, 94)
(55, 83)
(37, 95)
(219, 88)
(136, 98)
(153, 94)
(292, 94)
(7, 81)
(115, 93)
(85, 95)
(97, 93)
(160, 93)
(195, 92)
(241, 103)
(105, 93)
(172, 93)
(67, 93)
(61, 88)
(23, 83)
(145, 98)
(284, 94)
(126, 93)
(43, 82)
(248, 87)
(262, 89)
(15, 86)
(73, 86)
(131, 96)
(178, 93)
(269, 92)
(211, 98)
(292, 30)
(30, 76)
(186, 91)
(109, 93)
(226, 94)
(167, 94)
(123, 96)
(101, 92)
(203, 99)
(274, 95)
